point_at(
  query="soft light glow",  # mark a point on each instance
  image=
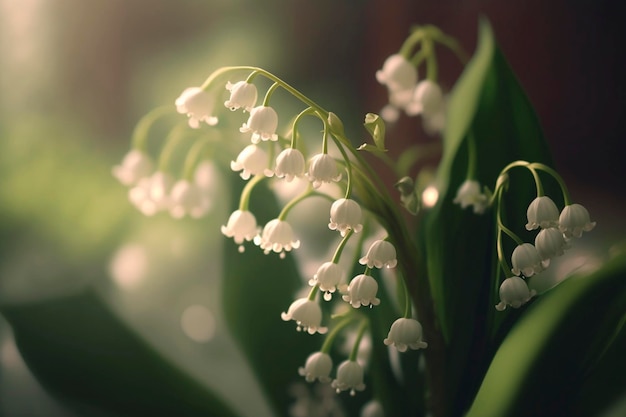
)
(198, 323)
(129, 266)
(430, 196)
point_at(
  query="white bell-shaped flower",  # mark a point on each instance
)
(151, 194)
(434, 123)
(262, 122)
(243, 95)
(362, 291)
(317, 366)
(135, 166)
(574, 220)
(349, 377)
(427, 99)
(206, 176)
(526, 260)
(307, 314)
(542, 212)
(550, 243)
(380, 254)
(241, 226)
(328, 276)
(188, 199)
(198, 105)
(470, 194)
(323, 168)
(252, 160)
(514, 292)
(405, 333)
(397, 73)
(289, 164)
(345, 214)
(277, 236)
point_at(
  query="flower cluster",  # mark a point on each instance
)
(406, 92)
(556, 230)
(326, 166)
(153, 191)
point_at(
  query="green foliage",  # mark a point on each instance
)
(562, 341)
(459, 246)
(90, 359)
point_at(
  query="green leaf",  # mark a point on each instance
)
(85, 355)
(542, 365)
(256, 289)
(459, 246)
(376, 127)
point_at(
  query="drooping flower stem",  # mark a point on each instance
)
(502, 228)
(268, 94)
(192, 158)
(306, 194)
(407, 300)
(313, 293)
(328, 342)
(531, 168)
(296, 121)
(341, 246)
(244, 199)
(557, 177)
(355, 348)
(411, 42)
(173, 139)
(346, 159)
(139, 138)
(431, 60)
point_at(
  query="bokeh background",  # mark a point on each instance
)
(75, 76)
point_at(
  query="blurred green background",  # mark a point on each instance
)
(76, 76)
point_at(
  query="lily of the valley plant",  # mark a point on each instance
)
(423, 280)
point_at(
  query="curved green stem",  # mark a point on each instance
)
(171, 142)
(341, 246)
(411, 42)
(557, 177)
(296, 121)
(328, 342)
(501, 228)
(244, 199)
(529, 167)
(268, 94)
(192, 158)
(346, 159)
(431, 61)
(306, 194)
(355, 348)
(407, 301)
(313, 293)
(139, 137)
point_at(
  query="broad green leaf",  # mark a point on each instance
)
(544, 362)
(459, 246)
(87, 356)
(256, 289)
